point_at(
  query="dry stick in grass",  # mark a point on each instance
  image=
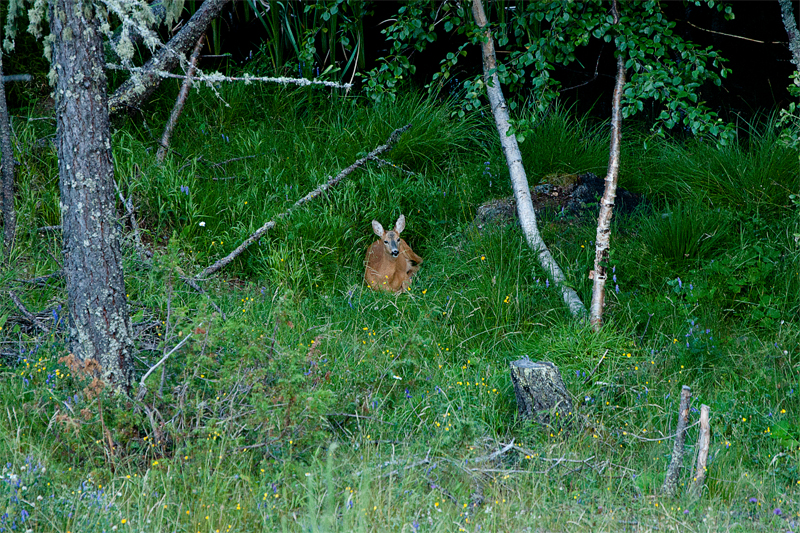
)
(519, 180)
(31, 318)
(307, 198)
(179, 103)
(603, 239)
(670, 487)
(703, 442)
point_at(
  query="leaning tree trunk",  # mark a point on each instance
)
(140, 85)
(787, 14)
(100, 326)
(603, 239)
(7, 161)
(519, 181)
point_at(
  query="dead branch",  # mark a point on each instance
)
(493, 455)
(307, 198)
(42, 280)
(128, 203)
(27, 314)
(152, 368)
(179, 103)
(670, 487)
(193, 284)
(145, 80)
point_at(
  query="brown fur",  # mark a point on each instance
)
(384, 271)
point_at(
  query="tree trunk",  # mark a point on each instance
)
(519, 181)
(100, 327)
(7, 160)
(140, 85)
(787, 14)
(603, 239)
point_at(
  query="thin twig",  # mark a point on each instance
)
(152, 368)
(193, 284)
(360, 417)
(215, 165)
(307, 198)
(35, 321)
(731, 35)
(589, 376)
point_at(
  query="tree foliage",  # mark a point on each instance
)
(666, 69)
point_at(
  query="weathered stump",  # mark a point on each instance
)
(670, 487)
(540, 391)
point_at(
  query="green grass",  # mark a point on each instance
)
(320, 405)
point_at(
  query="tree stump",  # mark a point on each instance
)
(540, 391)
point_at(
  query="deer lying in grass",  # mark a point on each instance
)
(390, 262)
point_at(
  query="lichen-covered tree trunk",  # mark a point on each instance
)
(140, 85)
(787, 14)
(100, 326)
(7, 161)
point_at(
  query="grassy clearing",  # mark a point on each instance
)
(318, 405)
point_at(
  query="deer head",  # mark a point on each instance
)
(391, 239)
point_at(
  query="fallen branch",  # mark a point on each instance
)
(307, 198)
(27, 314)
(670, 487)
(519, 180)
(179, 103)
(491, 456)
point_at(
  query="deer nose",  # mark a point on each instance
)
(395, 253)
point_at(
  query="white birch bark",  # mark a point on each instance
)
(603, 239)
(519, 180)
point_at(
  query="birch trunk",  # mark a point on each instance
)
(519, 181)
(603, 239)
(7, 161)
(140, 85)
(99, 324)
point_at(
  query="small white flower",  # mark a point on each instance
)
(202, 224)
(397, 377)
(39, 498)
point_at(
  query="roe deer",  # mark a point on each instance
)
(390, 262)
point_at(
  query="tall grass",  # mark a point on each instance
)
(320, 405)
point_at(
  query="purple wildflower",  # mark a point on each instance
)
(753, 500)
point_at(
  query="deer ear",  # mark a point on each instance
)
(400, 225)
(377, 228)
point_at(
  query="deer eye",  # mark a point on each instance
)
(385, 242)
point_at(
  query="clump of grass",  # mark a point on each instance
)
(686, 232)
